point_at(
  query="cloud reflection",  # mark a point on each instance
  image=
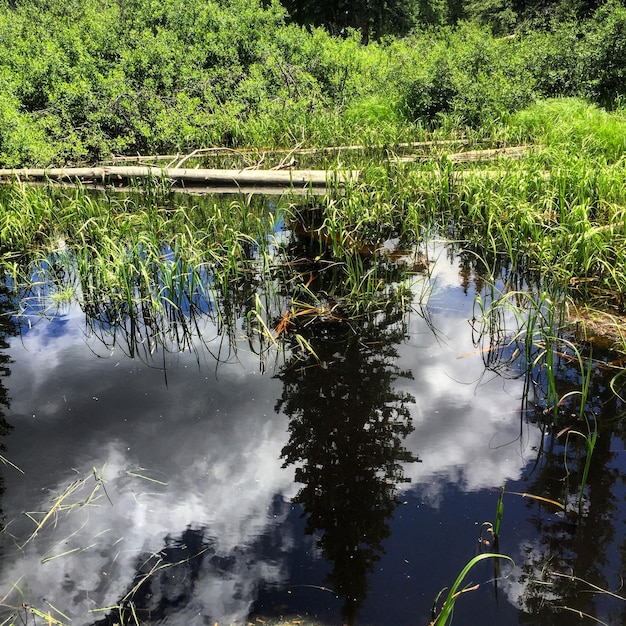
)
(216, 442)
(467, 426)
(222, 477)
(92, 574)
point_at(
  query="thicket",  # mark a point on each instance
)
(81, 80)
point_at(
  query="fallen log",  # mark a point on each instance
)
(220, 151)
(207, 177)
(492, 154)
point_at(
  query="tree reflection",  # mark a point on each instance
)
(348, 422)
(347, 426)
(8, 328)
(166, 580)
(573, 549)
(172, 585)
(573, 555)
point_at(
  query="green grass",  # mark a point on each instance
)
(572, 125)
(136, 257)
(444, 616)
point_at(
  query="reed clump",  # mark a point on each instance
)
(144, 266)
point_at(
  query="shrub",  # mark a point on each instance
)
(23, 140)
(605, 54)
(555, 60)
(470, 73)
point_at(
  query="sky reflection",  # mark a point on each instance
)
(213, 440)
(190, 449)
(468, 428)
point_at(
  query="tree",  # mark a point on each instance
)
(371, 17)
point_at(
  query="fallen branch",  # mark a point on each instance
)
(207, 177)
(512, 152)
(291, 151)
(192, 190)
(203, 151)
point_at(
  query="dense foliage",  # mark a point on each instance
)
(81, 80)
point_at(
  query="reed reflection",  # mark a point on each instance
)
(573, 397)
(168, 305)
(150, 277)
(347, 424)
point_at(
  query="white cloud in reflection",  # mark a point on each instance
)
(222, 470)
(232, 514)
(468, 428)
(223, 477)
(527, 583)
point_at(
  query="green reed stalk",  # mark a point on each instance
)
(445, 615)
(499, 514)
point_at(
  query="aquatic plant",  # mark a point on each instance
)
(535, 338)
(131, 258)
(444, 615)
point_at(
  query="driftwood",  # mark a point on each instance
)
(206, 177)
(492, 154)
(220, 151)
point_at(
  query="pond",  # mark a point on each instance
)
(196, 475)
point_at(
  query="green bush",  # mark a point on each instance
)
(84, 79)
(433, 87)
(605, 54)
(23, 138)
(470, 73)
(555, 60)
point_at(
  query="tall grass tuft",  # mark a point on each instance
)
(444, 616)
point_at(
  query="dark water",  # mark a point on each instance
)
(198, 485)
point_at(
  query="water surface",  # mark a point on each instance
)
(202, 483)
